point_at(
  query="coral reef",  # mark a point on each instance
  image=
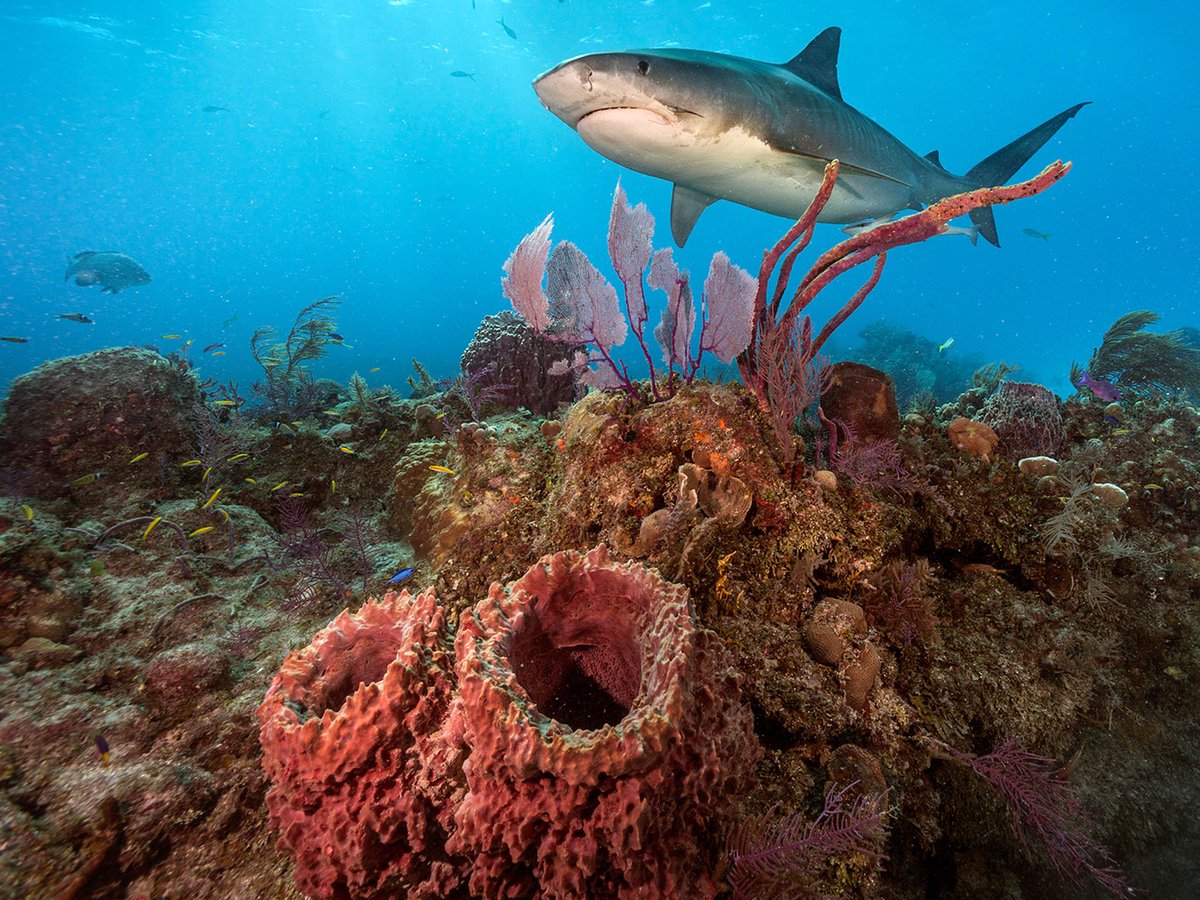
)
(927, 644)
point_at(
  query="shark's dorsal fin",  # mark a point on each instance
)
(934, 158)
(817, 63)
(686, 206)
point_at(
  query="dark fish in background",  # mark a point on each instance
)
(15, 340)
(213, 109)
(111, 270)
(102, 747)
(77, 317)
(459, 73)
(512, 34)
(1034, 233)
(212, 347)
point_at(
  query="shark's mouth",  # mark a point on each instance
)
(668, 114)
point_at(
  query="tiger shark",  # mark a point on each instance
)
(723, 127)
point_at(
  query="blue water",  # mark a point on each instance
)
(350, 161)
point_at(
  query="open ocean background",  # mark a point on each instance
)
(350, 161)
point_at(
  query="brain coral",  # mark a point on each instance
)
(363, 781)
(606, 735)
(593, 745)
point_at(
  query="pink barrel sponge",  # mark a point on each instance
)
(607, 738)
(590, 741)
(364, 783)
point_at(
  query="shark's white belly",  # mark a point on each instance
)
(734, 165)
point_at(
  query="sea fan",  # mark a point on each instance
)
(775, 858)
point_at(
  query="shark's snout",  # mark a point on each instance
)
(568, 90)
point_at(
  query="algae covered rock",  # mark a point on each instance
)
(88, 415)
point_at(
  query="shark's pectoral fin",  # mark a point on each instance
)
(844, 167)
(985, 224)
(686, 206)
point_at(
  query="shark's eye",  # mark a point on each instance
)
(643, 67)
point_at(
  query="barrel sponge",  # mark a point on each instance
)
(363, 779)
(607, 740)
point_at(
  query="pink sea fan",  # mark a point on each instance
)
(523, 273)
(630, 243)
(728, 309)
(674, 332)
(583, 305)
(583, 308)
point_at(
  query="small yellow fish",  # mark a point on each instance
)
(1175, 672)
(945, 345)
(171, 337)
(333, 485)
(237, 456)
(209, 502)
(28, 511)
(296, 424)
(383, 434)
(441, 415)
(331, 412)
(1123, 431)
(373, 370)
(224, 403)
(149, 528)
(218, 353)
(207, 472)
(296, 494)
(271, 363)
(224, 514)
(281, 486)
(88, 478)
(138, 458)
(205, 530)
(345, 449)
(1153, 487)
(442, 469)
(250, 480)
(190, 462)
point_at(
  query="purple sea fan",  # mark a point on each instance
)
(780, 858)
(1043, 805)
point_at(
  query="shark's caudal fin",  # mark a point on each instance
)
(1004, 163)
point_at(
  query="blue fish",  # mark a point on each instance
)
(403, 575)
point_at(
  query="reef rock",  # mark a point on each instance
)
(87, 415)
(864, 400)
(971, 437)
(511, 363)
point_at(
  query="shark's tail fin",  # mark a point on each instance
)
(1004, 163)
